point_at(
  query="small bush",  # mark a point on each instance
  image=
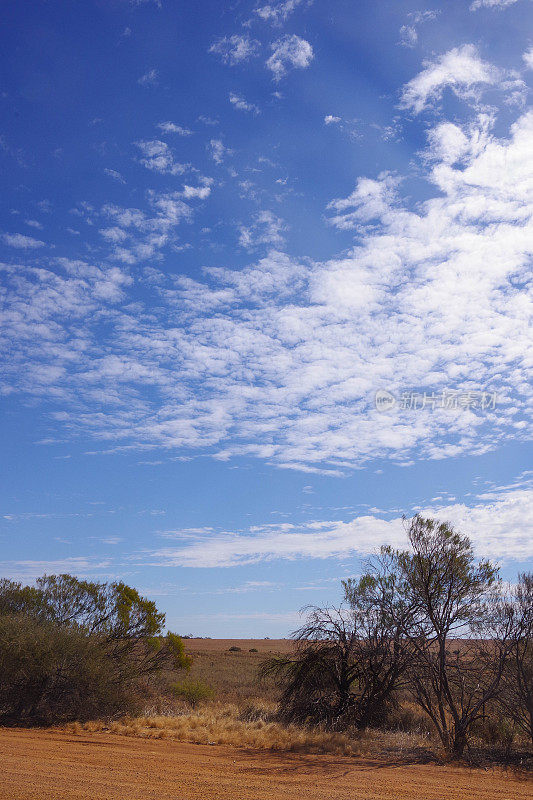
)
(408, 717)
(193, 692)
(253, 650)
(498, 731)
(234, 649)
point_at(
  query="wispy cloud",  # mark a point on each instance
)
(463, 72)
(276, 13)
(409, 32)
(115, 175)
(241, 104)
(289, 352)
(218, 150)
(158, 156)
(477, 4)
(172, 127)
(29, 570)
(150, 78)
(528, 58)
(499, 529)
(266, 229)
(22, 242)
(235, 49)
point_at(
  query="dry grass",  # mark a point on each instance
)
(254, 726)
(224, 723)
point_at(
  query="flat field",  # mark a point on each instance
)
(53, 765)
(233, 674)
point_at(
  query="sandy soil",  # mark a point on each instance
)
(49, 765)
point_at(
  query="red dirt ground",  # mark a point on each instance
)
(52, 765)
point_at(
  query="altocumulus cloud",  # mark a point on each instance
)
(280, 360)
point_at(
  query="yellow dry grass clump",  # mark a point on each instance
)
(227, 724)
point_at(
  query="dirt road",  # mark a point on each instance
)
(47, 765)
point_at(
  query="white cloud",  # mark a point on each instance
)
(289, 352)
(114, 234)
(266, 229)
(499, 529)
(329, 119)
(158, 157)
(235, 49)
(218, 150)
(137, 236)
(408, 36)
(528, 58)
(28, 570)
(208, 120)
(115, 175)
(201, 192)
(242, 105)
(461, 70)
(289, 51)
(172, 127)
(409, 33)
(448, 142)
(21, 241)
(276, 13)
(150, 78)
(418, 17)
(371, 199)
(491, 4)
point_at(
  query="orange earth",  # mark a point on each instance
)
(54, 765)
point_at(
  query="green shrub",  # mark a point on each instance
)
(234, 649)
(193, 692)
(72, 649)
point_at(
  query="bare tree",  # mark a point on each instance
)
(516, 695)
(347, 666)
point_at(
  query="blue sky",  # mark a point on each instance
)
(225, 228)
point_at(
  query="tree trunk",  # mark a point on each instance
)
(459, 744)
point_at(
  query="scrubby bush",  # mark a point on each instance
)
(234, 649)
(193, 692)
(73, 649)
(347, 666)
